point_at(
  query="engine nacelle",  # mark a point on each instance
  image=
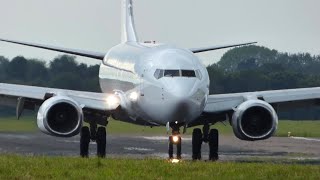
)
(254, 120)
(60, 116)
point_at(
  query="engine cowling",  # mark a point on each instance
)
(60, 116)
(254, 120)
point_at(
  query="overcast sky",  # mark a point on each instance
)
(286, 25)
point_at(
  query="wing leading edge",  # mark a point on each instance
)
(203, 49)
(10, 93)
(89, 54)
(285, 98)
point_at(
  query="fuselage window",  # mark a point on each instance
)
(188, 73)
(171, 73)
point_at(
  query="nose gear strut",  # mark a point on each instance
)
(175, 139)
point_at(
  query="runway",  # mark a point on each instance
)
(231, 149)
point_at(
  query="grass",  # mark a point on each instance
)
(11, 124)
(21, 167)
(297, 128)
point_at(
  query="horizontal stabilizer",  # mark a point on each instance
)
(89, 54)
(203, 49)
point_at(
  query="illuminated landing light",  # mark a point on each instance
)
(112, 101)
(134, 96)
(175, 139)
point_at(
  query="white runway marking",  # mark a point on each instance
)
(307, 139)
(73, 141)
(137, 149)
(163, 138)
(15, 136)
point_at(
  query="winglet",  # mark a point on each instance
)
(128, 33)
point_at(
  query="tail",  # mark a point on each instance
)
(128, 33)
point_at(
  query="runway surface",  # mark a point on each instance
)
(231, 149)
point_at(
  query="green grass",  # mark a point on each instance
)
(297, 128)
(19, 167)
(11, 124)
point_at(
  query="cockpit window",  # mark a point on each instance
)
(159, 73)
(171, 73)
(188, 73)
(198, 74)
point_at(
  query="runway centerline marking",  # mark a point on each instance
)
(163, 138)
(137, 149)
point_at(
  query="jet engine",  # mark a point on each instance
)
(60, 116)
(254, 120)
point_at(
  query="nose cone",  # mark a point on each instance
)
(183, 99)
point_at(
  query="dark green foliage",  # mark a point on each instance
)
(63, 72)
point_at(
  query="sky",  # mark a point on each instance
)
(291, 26)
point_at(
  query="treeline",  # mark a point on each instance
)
(249, 68)
(62, 72)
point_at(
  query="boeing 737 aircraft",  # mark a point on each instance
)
(152, 85)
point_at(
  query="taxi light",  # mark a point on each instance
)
(134, 96)
(175, 139)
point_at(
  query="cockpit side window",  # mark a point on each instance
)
(171, 73)
(158, 74)
(198, 74)
(188, 73)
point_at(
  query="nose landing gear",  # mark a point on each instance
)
(175, 139)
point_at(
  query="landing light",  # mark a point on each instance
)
(175, 139)
(134, 96)
(112, 101)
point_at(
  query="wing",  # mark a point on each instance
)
(203, 49)
(10, 95)
(89, 54)
(287, 98)
(220, 107)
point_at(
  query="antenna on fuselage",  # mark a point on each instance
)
(128, 29)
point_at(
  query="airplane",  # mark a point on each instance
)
(152, 84)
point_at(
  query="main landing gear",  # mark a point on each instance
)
(212, 138)
(97, 134)
(198, 137)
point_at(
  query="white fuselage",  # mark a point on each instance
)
(171, 83)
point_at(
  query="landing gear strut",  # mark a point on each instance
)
(212, 138)
(174, 139)
(95, 133)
